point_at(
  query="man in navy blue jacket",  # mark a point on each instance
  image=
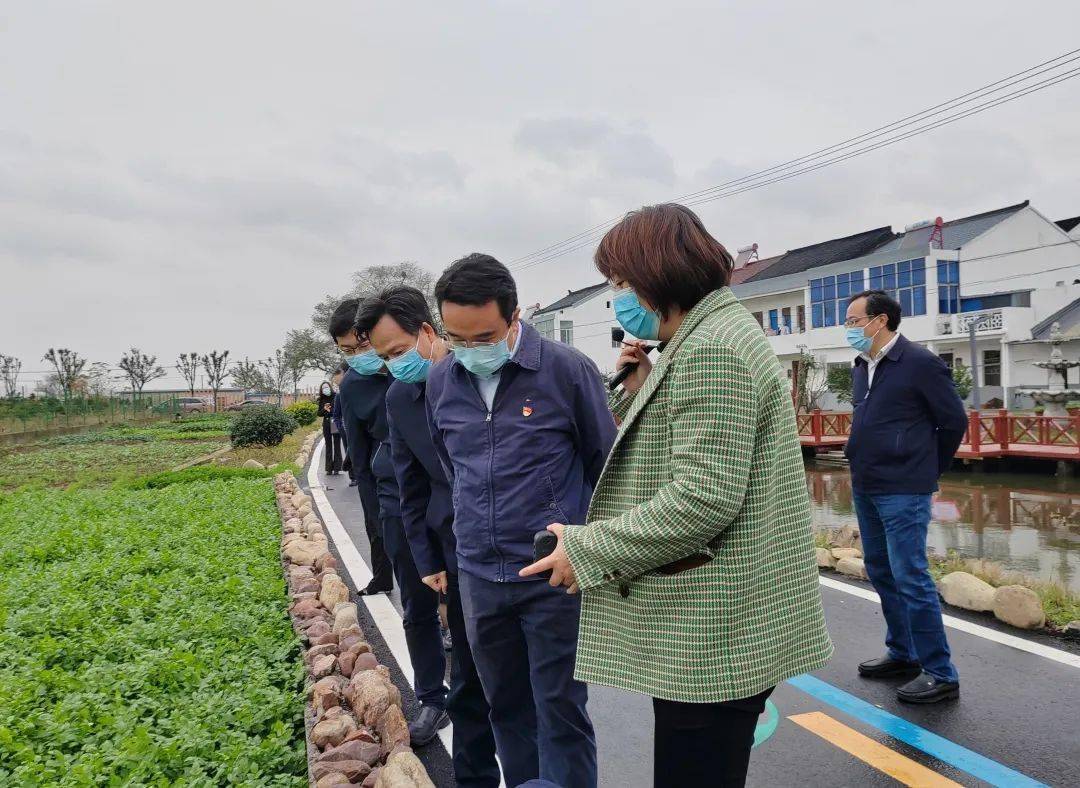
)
(399, 324)
(363, 395)
(522, 427)
(907, 425)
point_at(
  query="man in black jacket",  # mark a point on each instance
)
(907, 425)
(363, 415)
(363, 395)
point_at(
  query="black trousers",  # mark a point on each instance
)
(705, 743)
(333, 447)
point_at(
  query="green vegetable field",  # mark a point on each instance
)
(144, 638)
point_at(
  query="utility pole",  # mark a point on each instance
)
(973, 325)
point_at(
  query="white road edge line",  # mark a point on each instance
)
(1049, 652)
(382, 610)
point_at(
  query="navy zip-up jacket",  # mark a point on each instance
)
(907, 426)
(426, 508)
(533, 460)
(363, 411)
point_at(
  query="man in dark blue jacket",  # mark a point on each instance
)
(363, 395)
(399, 324)
(907, 425)
(522, 428)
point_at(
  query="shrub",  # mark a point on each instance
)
(198, 473)
(304, 412)
(263, 424)
(962, 380)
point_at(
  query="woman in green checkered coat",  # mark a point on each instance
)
(697, 570)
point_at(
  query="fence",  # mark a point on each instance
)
(989, 434)
(26, 418)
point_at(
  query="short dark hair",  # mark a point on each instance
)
(476, 280)
(406, 305)
(344, 318)
(666, 255)
(878, 302)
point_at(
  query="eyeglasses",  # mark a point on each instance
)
(461, 344)
(350, 350)
(852, 322)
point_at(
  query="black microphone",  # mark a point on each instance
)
(619, 335)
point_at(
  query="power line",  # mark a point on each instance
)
(586, 237)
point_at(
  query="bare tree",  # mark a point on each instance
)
(9, 371)
(248, 376)
(216, 366)
(98, 380)
(371, 280)
(140, 369)
(69, 367)
(188, 364)
(278, 372)
(312, 350)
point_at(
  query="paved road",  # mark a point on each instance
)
(1017, 723)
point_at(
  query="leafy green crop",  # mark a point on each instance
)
(144, 639)
(96, 463)
(201, 473)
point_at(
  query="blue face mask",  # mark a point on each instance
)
(410, 367)
(858, 340)
(367, 363)
(486, 360)
(635, 318)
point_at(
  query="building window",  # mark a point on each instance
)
(991, 367)
(948, 358)
(566, 331)
(800, 314)
(829, 298)
(607, 304)
(948, 277)
(905, 281)
(774, 321)
(546, 326)
(785, 320)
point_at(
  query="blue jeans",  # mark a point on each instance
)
(893, 532)
(524, 637)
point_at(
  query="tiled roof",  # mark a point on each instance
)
(572, 298)
(956, 233)
(833, 251)
(752, 268)
(1068, 224)
(1068, 316)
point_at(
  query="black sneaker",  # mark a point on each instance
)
(887, 667)
(927, 689)
(427, 725)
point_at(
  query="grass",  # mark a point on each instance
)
(201, 473)
(96, 463)
(282, 454)
(144, 640)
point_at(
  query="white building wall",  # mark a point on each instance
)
(1024, 250)
(593, 320)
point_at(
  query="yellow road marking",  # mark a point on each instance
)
(892, 763)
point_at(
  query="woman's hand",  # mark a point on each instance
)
(436, 582)
(558, 563)
(634, 351)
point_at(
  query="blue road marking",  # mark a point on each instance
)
(985, 769)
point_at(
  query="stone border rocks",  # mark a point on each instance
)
(304, 454)
(1015, 604)
(356, 730)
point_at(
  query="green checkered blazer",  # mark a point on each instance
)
(707, 460)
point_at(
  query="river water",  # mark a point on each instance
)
(1028, 523)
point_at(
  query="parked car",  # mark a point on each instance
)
(192, 405)
(248, 403)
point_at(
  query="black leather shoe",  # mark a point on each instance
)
(927, 689)
(372, 590)
(427, 725)
(887, 667)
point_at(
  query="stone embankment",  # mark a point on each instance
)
(357, 734)
(1013, 604)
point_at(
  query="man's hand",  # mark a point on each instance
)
(558, 563)
(436, 582)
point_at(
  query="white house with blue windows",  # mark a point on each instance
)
(1006, 271)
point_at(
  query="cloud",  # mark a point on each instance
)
(612, 151)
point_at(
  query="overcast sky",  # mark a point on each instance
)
(188, 176)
